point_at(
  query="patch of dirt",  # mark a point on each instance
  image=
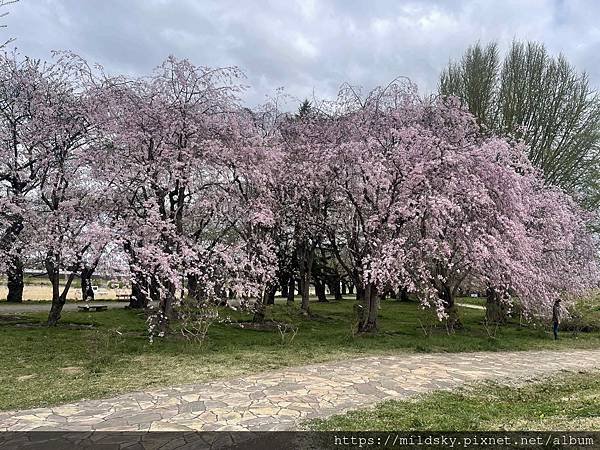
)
(71, 326)
(11, 318)
(25, 377)
(71, 370)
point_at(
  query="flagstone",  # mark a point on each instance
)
(280, 399)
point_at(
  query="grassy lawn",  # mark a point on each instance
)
(42, 366)
(564, 402)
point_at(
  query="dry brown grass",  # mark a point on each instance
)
(44, 292)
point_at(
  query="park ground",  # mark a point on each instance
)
(567, 401)
(97, 355)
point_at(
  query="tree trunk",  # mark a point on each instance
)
(270, 295)
(320, 291)
(14, 271)
(87, 292)
(165, 302)
(14, 275)
(447, 297)
(496, 311)
(58, 299)
(138, 298)
(283, 285)
(139, 291)
(260, 309)
(360, 293)
(334, 288)
(344, 288)
(56, 308)
(369, 310)
(305, 291)
(403, 297)
(350, 289)
(291, 290)
(192, 285)
(154, 289)
(305, 252)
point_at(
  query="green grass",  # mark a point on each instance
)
(46, 366)
(564, 402)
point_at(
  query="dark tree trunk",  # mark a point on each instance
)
(14, 271)
(360, 293)
(192, 285)
(165, 299)
(305, 255)
(154, 289)
(320, 291)
(496, 311)
(57, 305)
(334, 288)
(350, 289)
(14, 275)
(139, 296)
(283, 284)
(260, 311)
(220, 292)
(260, 308)
(291, 290)
(447, 296)
(270, 295)
(58, 302)
(403, 297)
(139, 291)
(87, 292)
(305, 291)
(58, 299)
(344, 288)
(369, 309)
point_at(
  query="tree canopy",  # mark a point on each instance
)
(543, 100)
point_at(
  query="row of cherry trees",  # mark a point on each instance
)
(169, 178)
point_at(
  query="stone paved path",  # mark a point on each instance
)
(280, 400)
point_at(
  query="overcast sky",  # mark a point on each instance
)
(302, 45)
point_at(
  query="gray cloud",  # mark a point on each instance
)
(307, 45)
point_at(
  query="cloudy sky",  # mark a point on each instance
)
(306, 46)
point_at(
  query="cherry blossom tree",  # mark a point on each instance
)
(42, 122)
(427, 201)
(379, 146)
(182, 160)
(302, 186)
(66, 205)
